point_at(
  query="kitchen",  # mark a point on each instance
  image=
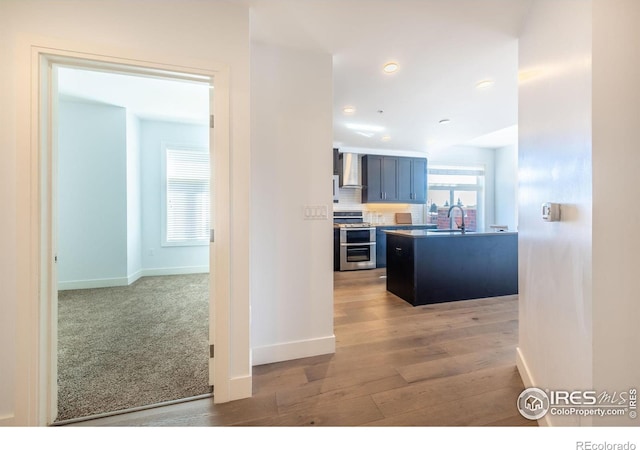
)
(379, 198)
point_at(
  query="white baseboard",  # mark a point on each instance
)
(7, 421)
(523, 369)
(240, 387)
(92, 284)
(126, 281)
(174, 271)
(529, 381)
(293, 350)
(132, 278)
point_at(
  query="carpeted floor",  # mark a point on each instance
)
(124, 347)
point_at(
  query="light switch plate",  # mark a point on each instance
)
(551, 212)
(317, 212)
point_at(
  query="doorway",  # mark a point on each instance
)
(133, 201)
(44, 92)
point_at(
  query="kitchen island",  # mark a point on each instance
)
(381, 239)
(432, 266)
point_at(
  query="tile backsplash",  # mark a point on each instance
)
(378, 213)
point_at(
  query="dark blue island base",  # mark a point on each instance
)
(425, 267)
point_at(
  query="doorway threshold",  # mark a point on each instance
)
(130, 410)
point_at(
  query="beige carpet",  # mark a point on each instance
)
(125, 347)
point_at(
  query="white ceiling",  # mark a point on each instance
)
(146, 97)
(444, 47)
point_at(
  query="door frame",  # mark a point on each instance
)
(40, 314)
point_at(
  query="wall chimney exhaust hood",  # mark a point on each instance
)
(350, 170)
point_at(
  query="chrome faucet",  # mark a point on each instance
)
(462, 227)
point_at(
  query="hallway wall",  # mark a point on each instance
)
(186, 33)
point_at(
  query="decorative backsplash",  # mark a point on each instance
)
(378, 213)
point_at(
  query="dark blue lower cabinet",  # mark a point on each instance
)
(435, 269)
(381, 240)
(336, 249)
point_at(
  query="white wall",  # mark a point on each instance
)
(158, 259)
(189, 33)
(555, 166)
(92, 198)
(8, 229)
(616, 161)
(291, 166)
(111, 183)
(506, 186)
(134, 199)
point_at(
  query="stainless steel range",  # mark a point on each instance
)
(357, 241)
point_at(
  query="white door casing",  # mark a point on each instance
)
(41, 309)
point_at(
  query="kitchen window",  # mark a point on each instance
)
(186, 199)
(456, 185)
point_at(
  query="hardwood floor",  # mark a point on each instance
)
(450, 364)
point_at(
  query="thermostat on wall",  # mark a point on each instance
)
(551, 212)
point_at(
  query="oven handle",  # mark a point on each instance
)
(342, 244)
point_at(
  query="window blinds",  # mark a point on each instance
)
(187, 196)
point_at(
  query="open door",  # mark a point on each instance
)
(212, 246)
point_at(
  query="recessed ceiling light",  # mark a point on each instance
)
(364, 127)
(483, 84)
(444, 121)
(386, 138)
(390, 67)
(348, 110)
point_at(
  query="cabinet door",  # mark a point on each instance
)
(400, 267)
(381, 248)
(419, 180)
(405, 180)
(336, 249)
(372, 179)
(390, 179)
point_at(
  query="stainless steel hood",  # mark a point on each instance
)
(350, 175)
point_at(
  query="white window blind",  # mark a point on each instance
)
(187, 197)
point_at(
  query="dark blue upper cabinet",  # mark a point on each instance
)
(390, 179)
(379, 179)
(419, 180)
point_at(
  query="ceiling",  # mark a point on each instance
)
(146, 97)
(443, 48)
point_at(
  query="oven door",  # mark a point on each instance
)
(363, 235)
(357, 248)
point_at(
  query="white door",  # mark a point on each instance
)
(212, 246)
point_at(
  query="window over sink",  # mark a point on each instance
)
(456, 185)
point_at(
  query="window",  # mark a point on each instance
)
(456, 185)
(187, 197)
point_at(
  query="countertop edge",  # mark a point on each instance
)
(421, 234)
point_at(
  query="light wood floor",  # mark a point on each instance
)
(450, 364)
